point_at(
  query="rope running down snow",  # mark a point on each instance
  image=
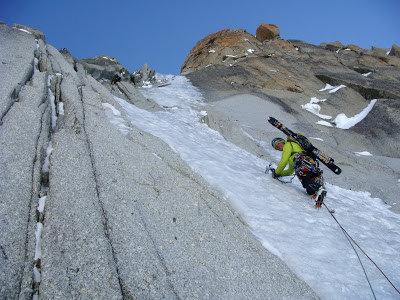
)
(350, 238)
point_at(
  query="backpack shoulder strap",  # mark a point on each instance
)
(293, 152)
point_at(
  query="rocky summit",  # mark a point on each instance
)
(90, 212)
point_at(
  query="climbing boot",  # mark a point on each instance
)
(319, 197)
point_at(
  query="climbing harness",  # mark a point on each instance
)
(303, 164)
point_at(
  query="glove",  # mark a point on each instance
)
(274, 175)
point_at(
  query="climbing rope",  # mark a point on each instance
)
(284, 181)
(350, 239)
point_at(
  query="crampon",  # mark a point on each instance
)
(319, 197)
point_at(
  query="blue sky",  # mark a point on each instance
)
(161, 33)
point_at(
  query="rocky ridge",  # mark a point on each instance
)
(103, 68)
(88, 212)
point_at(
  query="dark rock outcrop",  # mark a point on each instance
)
(395, 51)
(267, 32)
(334, 46)
(104, 67)
(144, 76)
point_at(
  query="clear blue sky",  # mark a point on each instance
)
(162, 32)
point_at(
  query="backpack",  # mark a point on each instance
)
(303, 163)
(302, 141)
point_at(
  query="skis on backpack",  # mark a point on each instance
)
(312, 151)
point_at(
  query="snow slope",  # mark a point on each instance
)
(281, 216)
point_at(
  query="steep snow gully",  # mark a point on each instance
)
(283, 218)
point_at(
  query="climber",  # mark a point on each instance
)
(116, 79)
(305, 168)
(132, 79)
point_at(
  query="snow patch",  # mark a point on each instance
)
(45, 167)
(146, 85)
(324, 123)
(108, 58)
(327, 87)
(42, 203)
(335, 89)
(52, 100)
(363, 153)
(61, 108)
(24, 30)
(316, 100)
(332, 89)
(38, 234)
(36, 274)
(344, 122)
(35, 65)
(315, 109)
